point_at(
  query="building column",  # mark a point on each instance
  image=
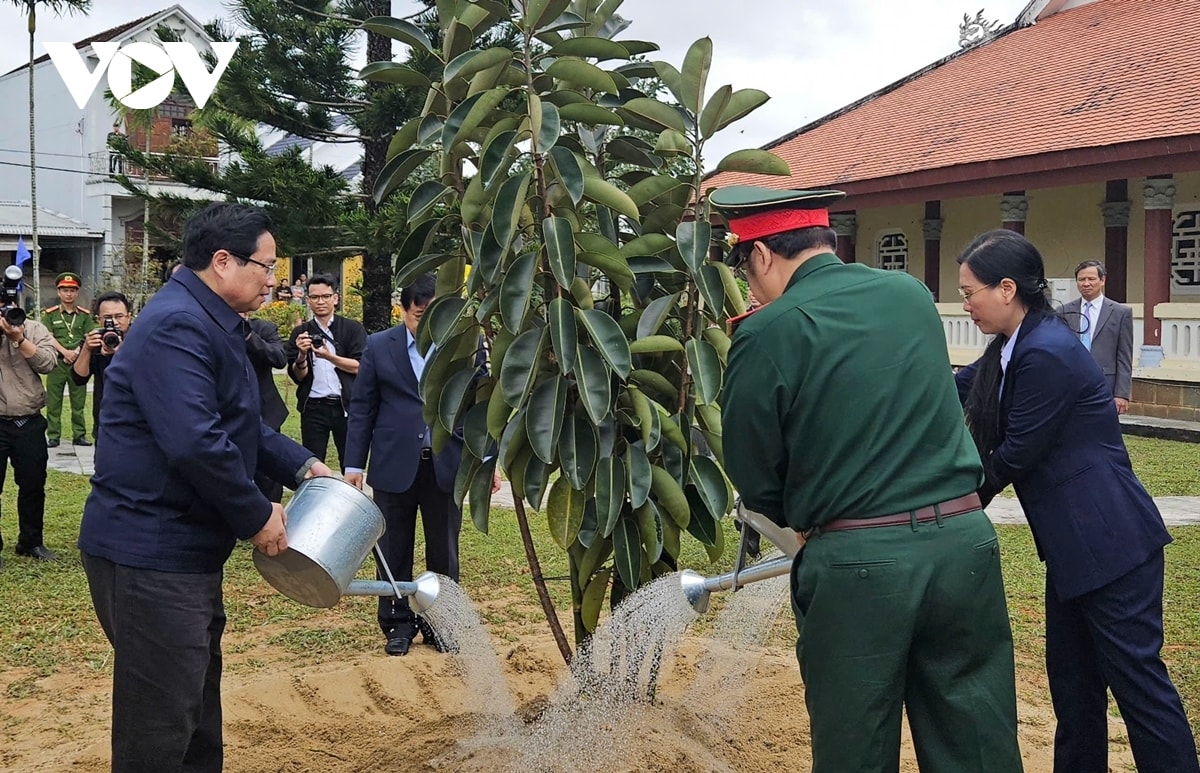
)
(1115, 210)
(845, 225)
(932, 226)
(1159, 195)
(1013, 209)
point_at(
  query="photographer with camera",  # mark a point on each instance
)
(323, 356)
(68, 323)
(112, 312)
(26, 353)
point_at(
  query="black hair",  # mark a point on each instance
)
(112, 295)
(235, 228)
(1091, 264)
(992, 257)
(322, 279)
(419, 292)
(789, 244)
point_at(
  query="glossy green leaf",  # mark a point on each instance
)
(694, 76)
(671, 78)
(708, 279)
(506, 211)
(559, 238)
(670, 537)
(595, 384)
(578, 450)
(469, 114)
(582, 73)
(637, 70)
(475, 431)
(660, 115)
(592, 115)
(550, 127)
(703, 524)
(569, 172)
(398, 29)
(651, 188)
(711, 485)
(544, 419)
(470, 62)
(563, 335)
(497, 156)
(423, 198)
(430, 129)
(650, 528)
(564, 512)
(610, 492)
(520, 365)
(442, 320)
(693, 239)
(453, 397)
(396, 74)
(481, 494)
(589, 528)
(396, 171)
(634, 152)
(414, 245)
(755, 162)
(714, 110)
(672, 143)
(424, 264)
(596, 554)
(590, 47)
(637, 469)
(537, 474)
(605, 193)
(741, 103)
(608, 339)
(516, 288)
(627, 552)
(647, 244)
(539, 13)
(404, 138)
(656, 314)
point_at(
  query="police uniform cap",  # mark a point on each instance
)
(754, 212)
(68, 279)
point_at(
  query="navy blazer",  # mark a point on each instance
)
(1062, 450)
(180, 438)
(385, 419)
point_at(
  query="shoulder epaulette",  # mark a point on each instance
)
(50, 309)
(82, 310)
(732, 323)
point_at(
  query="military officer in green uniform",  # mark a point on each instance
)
(69, 324)
(841, 421)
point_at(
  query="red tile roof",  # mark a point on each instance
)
(1110, 72)
(114, 33)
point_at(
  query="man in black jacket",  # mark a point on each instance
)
(265, 350)
(323, 356)
(113, 316)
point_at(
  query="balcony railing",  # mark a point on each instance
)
(104, 164)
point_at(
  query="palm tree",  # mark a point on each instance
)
(30, 7)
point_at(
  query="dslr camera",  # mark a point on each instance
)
(111, 337)
(318, 339)
(10, 296)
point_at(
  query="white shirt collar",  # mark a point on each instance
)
(1007, 350)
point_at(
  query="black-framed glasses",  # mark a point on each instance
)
(270, 267)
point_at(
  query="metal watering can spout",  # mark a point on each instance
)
(422, 592)
(697, 588)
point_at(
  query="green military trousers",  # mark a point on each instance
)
(913, 617)
(55, 381)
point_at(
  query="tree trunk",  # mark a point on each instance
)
(377, 279)
(33, 202)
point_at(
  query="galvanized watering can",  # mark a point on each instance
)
(698, 588)
(331, 527)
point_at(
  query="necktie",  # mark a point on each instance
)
(1086, 335)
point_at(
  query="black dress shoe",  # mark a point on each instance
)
(397, 646)
(81, 441)
(51, 444)
(41, 553)
(430, 636)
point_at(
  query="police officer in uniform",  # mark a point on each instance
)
(69, 324)
(841, 421)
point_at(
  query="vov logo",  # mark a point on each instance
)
(117, 60)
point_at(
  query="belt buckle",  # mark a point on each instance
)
(426, 452)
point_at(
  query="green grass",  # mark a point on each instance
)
(47, 624)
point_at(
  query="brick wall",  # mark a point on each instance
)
(1166, 400)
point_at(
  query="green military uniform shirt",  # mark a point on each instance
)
(814, 426)
(67, 328)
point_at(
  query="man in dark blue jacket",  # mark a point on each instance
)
(173, 491)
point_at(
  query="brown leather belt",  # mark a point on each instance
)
(948, 509)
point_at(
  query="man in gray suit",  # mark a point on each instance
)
(1106, 328)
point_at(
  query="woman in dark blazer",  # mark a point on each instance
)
(1043, 418)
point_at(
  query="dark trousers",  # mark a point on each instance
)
(907, 618)
(1110, 639)
(320, 419)
(165, 629)
(25, 447)
(441, 522)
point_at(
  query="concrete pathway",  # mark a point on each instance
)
(1176, 511)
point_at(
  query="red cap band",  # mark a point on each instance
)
(777, 221)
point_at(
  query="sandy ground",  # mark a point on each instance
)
(424, 712)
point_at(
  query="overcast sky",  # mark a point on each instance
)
(811, 57)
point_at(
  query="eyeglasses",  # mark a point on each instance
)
(321, 297)
(117, 317)
(270, 267)
(966, 294)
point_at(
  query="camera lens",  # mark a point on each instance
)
(14, 315)
(111, 339)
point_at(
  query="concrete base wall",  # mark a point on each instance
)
(1166, 400)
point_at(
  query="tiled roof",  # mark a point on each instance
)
(115, 33)
(15, 220)
(1106, 73)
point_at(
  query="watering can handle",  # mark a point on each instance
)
(387, 571)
